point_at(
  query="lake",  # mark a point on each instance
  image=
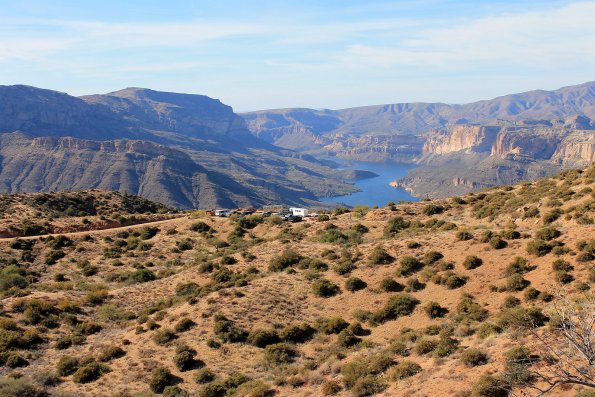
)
(375, 191)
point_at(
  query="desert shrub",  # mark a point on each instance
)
(413, 244)
(563, 277)
(347, 338)
(325, 288)
(551, 216)
(185, 244)
(486, 236)
(228, 260)
(161, 377)
(20, 387)
(486, 329)
(332, 325)
(548, 233)
(288, 259)
(511, 301)
(472, 262)
(279, 354)
(453, 280)
(473, 357)
(469, 310)
(163, 336)
(14, 360)
(227, 331)
(13, 276)
(367, 386)
(433, 209)
(425, 346)
(254, 388)
(330, 388)
(511, 234)
(560, 265)
(538, 247)
(518, 266)
(413, 285)
(143, 276)
(353, 284)
(434, 310)
(96, 297)
(379, 256)
(203, 375)
(201, 227)
(89, 372)
(394, 226)
(516, 282)
(398, 305)
(54, 256)
(184, 358)
(263, 338)
(174, 391)
(408, 265)
(432, 257)
(497, 242)
(332, 234)
(390, 285)
(297, 333)
(464, 235)
(490, 386)
(110, 352)
(344, 267)
(404, 369)
(520, 317)
(184, 325)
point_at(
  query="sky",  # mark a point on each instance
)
(334, 54)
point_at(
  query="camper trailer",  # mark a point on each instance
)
(303, 212)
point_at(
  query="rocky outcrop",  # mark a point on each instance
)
(578, 148)
(461, 137)
(377, 148)
(528, 143)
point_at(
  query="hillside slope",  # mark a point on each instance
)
(436, 298)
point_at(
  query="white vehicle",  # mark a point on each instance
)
(303, 212)
(222, 213)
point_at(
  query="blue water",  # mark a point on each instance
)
(375, 191)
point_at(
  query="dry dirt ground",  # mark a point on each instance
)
(128, 281)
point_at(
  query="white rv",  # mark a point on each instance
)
(223, 213)
(303, 212)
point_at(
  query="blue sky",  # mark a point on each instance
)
(322, 54)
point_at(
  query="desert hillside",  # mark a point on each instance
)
(465, 296)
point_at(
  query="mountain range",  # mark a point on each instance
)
(179, 149)
(192, 151)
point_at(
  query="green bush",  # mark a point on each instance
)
(473, 357)
(394, 226)
(548, 233)
(184, 358)
(464, 235)
(89, 373)
(143, 276)
(347, 338)
(163, 336)
(330, 388)
(562, 265)
(325, 288)
(201, 227)
(538, 247)
(497, 242)
(516, 282)
(344, 267)
(203, 375)
(353, 284)
(379, 256)
(184, 325)
(20, 387)
(288, 259)
(404, 369)
(408, 265)
(263, 338)
(110, 352)
(160, 379)
(390, 285)
(490, 386)
(297, 333)
(227, 331)
(434, 310)
(518, 266)
(425, 346)
(398, 305)
(468, 310)
(472, 262)
(279, 354)
(332, 325)
(433, 209)
(367, 386)
(432, 257)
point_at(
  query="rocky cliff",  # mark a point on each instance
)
(461, 137)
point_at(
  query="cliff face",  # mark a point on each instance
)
(577, 148)
(461, 137)
(377, 148)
